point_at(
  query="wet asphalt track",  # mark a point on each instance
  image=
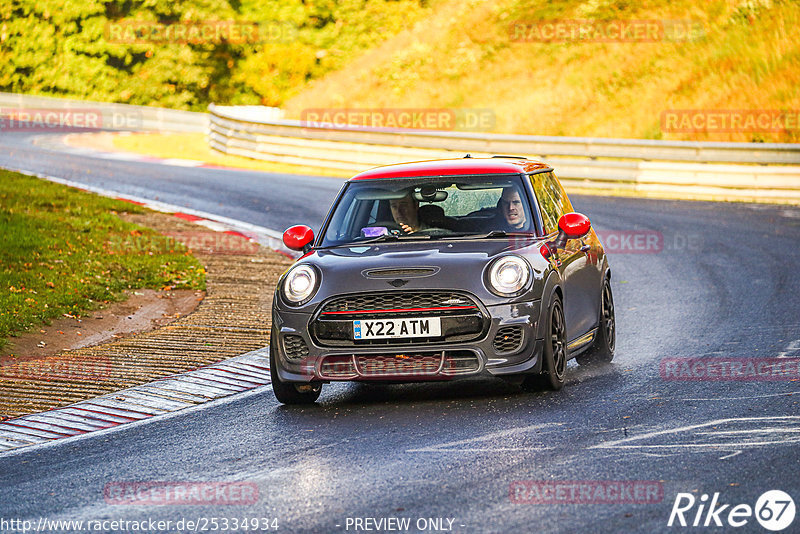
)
(725, 284)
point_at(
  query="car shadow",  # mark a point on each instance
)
(476, 389)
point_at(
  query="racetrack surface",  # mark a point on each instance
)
(725, 283)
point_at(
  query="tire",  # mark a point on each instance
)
(554, 353)
(602, 350)
(287, 392)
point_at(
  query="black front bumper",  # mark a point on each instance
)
(506, 344)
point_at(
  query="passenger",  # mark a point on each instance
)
(512, 208)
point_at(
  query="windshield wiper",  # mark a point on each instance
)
(493, 233)
(392, 237)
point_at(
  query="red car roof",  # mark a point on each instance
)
(451, 167)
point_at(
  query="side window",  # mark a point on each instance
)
(373, 213)
(347, 224)
(553, 201)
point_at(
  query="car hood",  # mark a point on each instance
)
(449, 265)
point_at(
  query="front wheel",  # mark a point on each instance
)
(288, 392)
(602, 350)
(554, 354)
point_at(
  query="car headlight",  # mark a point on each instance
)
(509, 275)
(300, 284)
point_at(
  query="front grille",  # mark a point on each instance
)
(294, 347)
(392, 302)
(461, 318)
(407, 365)
(338, 367)
(508, 339)
(459, 362)
(399, 365)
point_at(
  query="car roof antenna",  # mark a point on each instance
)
(468, 156)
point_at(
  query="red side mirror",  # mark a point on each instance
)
(571, 226)
(298, 237)
(574, 225)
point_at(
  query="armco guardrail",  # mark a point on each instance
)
(754, 171)
(110, 116)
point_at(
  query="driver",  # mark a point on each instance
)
(513, 210)
(405, 211)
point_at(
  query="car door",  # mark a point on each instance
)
(581, 283)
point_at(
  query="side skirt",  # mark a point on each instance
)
(582, 343)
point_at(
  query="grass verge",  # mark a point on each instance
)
(65, 251)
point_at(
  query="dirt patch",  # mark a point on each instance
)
(233, 318)
(141, 311)
(100, 141)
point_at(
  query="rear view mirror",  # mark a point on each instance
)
(430, 194)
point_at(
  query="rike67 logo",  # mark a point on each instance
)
(774, 510)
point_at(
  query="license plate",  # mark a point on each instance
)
(391, 328)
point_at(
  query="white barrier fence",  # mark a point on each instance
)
(745, 171)
(43, 114)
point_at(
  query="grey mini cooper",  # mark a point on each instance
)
(439, 270)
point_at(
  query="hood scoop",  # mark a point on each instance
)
(400, 272)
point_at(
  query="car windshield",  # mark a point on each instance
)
(429, 208)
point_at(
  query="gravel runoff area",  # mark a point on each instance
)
(234, 318)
